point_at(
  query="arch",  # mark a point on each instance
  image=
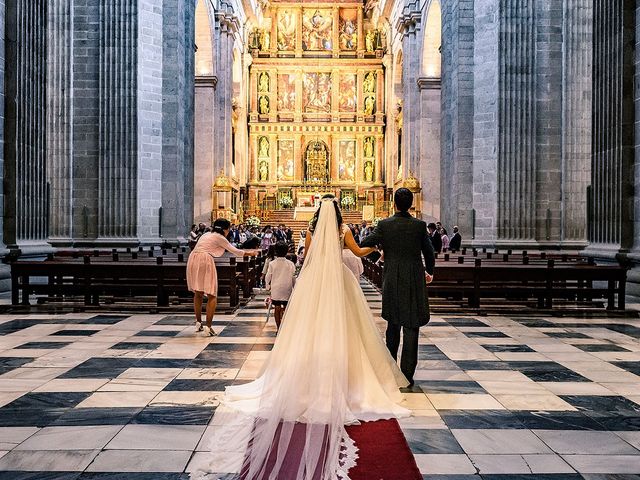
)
(432, 40)
(204, 41)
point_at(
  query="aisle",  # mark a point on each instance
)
(495, 395)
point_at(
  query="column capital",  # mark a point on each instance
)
(229, 22)
(408, 22)
(206, 81)
(429, 83)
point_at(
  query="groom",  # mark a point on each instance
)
(405, 305)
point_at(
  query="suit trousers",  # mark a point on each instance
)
(409, 358)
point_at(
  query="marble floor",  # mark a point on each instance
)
(86, 396)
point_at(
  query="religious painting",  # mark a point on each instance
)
(285, 160)
(286, 92)
(347, 160)
(317, 92)
(348, 29)
(348, 96)
(286, 30)
(317, 29)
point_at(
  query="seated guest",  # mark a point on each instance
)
(280, 280)
(456, 240)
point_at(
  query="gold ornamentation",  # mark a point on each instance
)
(263, 82)
(317, 161)
(263, 105)
(222, 181)
(368, 171)
(411, 182)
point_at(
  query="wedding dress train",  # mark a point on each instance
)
(328, 368)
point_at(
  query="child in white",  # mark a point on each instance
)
(280, 279)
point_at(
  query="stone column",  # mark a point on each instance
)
(407, 25)
(86, 108)
(204, 111)
(486, 115)
(611, 200)
(177, 115)
(25, 181)
(546, 18)
(458, 26)
(60, 120)
(430, 147)
(576, 119)
(5, 270)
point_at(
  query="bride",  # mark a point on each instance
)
(328, 368)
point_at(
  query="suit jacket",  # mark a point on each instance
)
(456, 240)
(405, 242)
(436, 241)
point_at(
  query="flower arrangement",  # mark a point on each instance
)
(253, 221)
(286, 201)
(347, 201)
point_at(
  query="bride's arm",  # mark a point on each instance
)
(351, 244)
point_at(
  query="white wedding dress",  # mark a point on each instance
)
(328, 368)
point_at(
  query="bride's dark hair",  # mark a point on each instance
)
(314, 220)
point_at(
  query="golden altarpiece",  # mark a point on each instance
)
(316, 107)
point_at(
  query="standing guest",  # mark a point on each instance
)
(202, 278)
(445, 238)
(436, 239)
(456, 240)
(289, 235)
(271, 254)
(279, 234)
(194, 234)
(280, 280)
(267, 239)
(202, 228)
(242, 234)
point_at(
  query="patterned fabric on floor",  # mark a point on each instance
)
(86, 396)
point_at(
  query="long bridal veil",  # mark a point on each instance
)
(328, 368)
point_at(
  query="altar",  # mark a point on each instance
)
(304, 213)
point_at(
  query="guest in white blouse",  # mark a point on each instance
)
(280, 279)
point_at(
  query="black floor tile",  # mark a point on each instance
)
(508, 348)
(603, 404)
(432, 441)
(188, 385)
(481, 419)
(434, 387)
(600, 347)
(39, 475)
(157, 333)
(43, 345)
(74, 333)
(558, 421)
(33, 417)
(96, 416)
(101, 368)
(136, 346)
(105, 319)
(174, 415)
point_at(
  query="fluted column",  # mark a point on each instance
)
(26, 196)
(60, 120)
(411, 56)
(611, 205)
(576, 119)
(118, 132)
(430, 147)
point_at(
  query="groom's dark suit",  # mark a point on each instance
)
(405, 304)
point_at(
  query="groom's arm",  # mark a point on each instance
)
(428, 254)
(374, 238)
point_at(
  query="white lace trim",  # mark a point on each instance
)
(348, 457)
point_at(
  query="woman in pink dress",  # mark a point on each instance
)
(202, 278)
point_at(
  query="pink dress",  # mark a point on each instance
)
(201, 266)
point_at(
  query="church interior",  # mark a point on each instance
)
(126, 123)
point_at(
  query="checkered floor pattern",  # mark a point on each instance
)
(86, 396)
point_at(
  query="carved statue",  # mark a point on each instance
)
(263, 82)
(368, 171)
(369, 83)
(263, 147)
(368, 147)
(370, 41)
(263, 105)
(369, 105)
(264, 171)
(265, 40)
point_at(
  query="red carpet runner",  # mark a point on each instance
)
(383, 452)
